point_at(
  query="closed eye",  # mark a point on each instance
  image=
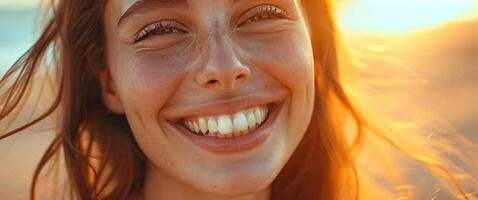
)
(161, 27)
(264, 12)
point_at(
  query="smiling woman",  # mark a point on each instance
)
(200, 99)
(227, 58)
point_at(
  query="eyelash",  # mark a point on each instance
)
(164, 26)
(262, 12)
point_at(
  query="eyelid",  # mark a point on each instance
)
(157, 26)
(262, 9)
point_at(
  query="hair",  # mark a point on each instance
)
(101, 157)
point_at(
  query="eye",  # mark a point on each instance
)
(161, 27)
(264, 12)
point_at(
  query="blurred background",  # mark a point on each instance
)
(422, 52)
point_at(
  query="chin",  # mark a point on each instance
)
(240, 185)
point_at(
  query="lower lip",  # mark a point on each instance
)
(234, 144)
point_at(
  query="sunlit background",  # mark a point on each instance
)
(401, 16)
(423, 52)
(431, 44)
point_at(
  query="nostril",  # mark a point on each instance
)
(212, 82)
(225, 78)
(241, 77)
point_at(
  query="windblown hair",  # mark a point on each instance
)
(100, 154)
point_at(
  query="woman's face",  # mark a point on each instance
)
(218, 93)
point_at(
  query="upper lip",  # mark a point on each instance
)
(225, 106)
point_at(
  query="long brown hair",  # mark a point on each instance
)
(102, 158)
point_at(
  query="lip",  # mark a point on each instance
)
(224, 106)
(234, 144)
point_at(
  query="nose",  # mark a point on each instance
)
(222, 70)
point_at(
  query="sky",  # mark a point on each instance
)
(18, 3)
(398, 16)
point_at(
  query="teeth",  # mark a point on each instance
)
(224, 125)
(257, 114)
(190, 125)
(212, 125)
(202, 125)
(228, 126)
(251, 120)
(240, 122)
(263, 115)
(196, 127)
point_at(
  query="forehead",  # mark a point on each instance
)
(132, 4)
(127, 7)
(122, 9)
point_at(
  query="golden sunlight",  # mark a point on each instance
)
(398, 16)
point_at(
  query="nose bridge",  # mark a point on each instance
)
(222, 68)
(221, 52)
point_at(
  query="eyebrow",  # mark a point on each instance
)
(139, 4)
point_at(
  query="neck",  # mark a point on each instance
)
(158, 185)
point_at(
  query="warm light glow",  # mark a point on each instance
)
(394, 16)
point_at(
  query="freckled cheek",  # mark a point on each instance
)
(289, 60)
(149, 82)
(296, 68)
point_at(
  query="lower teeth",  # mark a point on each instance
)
(229, 135)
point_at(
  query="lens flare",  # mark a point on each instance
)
(396, 16)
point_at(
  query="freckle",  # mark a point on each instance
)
(172, 164)
(214, 186)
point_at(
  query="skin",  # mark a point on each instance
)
(151, 79)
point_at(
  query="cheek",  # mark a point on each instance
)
(145, 83)
(147, 80)
(287, 57)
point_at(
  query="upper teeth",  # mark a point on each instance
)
(222, 126)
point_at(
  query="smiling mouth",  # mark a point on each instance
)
(234, 125)
(235, 131)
